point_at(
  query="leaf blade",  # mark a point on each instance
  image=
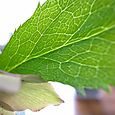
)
(68, 23)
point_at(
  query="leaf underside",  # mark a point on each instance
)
(33, 96)
(5, 112)
(71, 41)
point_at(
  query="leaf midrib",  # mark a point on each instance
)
(26, 59)
(100, 32)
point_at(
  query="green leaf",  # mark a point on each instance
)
(71, 41)
(33, 96)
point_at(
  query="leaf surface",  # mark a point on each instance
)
(71, 41)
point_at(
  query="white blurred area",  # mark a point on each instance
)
(13, 13)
